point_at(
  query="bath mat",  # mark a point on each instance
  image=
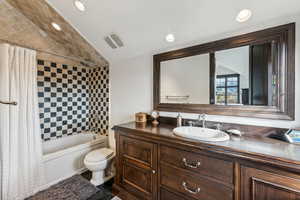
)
(74, 188)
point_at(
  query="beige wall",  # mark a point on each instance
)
(130, 90)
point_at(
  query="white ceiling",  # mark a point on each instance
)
(143, 24)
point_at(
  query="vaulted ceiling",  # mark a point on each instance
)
(17, 29)
(38, 17)
(143, 24)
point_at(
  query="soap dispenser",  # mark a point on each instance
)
(179, 120)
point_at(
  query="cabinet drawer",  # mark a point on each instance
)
(140, 151)
(208, 166)
(194, 186)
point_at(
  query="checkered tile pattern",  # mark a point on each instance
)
(99, 99)
(64, 101)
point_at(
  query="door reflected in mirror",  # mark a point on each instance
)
(185, 80)
(244, 76)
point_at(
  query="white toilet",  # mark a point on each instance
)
(99, 162)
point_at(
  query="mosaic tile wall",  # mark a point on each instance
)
(72, 99)
(99, 99)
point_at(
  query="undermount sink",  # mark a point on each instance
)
(202, 134)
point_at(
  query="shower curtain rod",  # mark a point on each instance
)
(50, 53)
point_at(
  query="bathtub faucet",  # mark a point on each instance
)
(94, 130)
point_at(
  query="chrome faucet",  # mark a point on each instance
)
(202, 118)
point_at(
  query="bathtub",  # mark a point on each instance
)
(64, 157)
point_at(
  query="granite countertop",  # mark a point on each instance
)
(254, 144)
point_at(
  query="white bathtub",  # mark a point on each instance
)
(63, 157)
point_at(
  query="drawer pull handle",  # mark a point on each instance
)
(190, 190)
(194, 166)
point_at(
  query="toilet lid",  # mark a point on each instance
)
(99, 155)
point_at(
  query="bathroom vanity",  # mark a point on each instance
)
(153, 163)
(250, 75)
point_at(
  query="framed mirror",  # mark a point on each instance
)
(250, 75)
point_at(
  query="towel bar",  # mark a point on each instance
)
(13, 103)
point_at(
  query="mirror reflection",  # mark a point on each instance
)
(185, 80)
(242, 76)
(232, 76)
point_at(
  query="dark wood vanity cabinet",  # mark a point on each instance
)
(151, 171)
(154, 168)
(262, 185)
(137, 170)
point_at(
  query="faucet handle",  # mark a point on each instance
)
(191, 123)
(202, 116)
(219, 126)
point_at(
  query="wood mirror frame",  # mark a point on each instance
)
(285, 110)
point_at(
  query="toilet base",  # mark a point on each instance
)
(98, 178)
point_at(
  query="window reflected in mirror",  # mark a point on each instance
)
(228, 89)
(244, 76)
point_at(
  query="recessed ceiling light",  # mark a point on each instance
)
(244, 15)
(56, 26)
(79, 5)
(170, 38)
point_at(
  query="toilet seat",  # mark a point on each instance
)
(99, 155)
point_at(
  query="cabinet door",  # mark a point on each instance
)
(262, 185)
(138, 166)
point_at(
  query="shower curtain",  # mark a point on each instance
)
(21, 169)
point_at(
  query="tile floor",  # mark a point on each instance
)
(105, 192)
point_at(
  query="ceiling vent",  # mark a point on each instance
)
(114, 41)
